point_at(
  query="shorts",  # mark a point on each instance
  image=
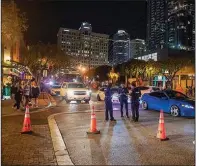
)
(35, 96)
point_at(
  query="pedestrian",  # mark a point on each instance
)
(108, 104)
(123, 92)
(13, 91)
(18, 96)
(35, 93)
(27, 93)
(135, 95)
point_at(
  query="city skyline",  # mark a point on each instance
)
(170, 24)
(105, 17)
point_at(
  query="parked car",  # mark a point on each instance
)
(55, 89)
(148, 89)
(73, 91)
(116, 96)
(173, 102)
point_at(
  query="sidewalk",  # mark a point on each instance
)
(27, 149)
(44, 101)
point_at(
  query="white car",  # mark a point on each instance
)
(73, 91)
(116, 96)
(55, 90)
(148, 89)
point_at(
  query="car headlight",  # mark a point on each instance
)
(70, 92)
(187, 106)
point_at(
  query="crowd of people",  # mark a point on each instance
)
(24, 94)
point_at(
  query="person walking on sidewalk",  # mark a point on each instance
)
(123, 92)
(13, 91)
(27, 93)
(18, 96)
(135, 94)
(108, 104)
(35, 93)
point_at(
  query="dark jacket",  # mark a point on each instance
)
(18, 94)
(108, 94)
(123, 93)
(135, 94)
(35, 92)
(13, 90)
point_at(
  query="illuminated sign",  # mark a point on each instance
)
(159, 77)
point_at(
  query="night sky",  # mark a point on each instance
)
(46, 16)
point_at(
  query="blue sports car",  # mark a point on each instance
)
(173, 102)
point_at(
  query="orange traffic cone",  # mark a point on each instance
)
(161, 129)
(93, 128)
(26, 124)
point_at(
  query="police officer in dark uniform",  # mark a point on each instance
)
(123, 91)
(135, 94)
(108, 104)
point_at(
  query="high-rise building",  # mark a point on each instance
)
(121, 47)
(181, 24)
(85, 47)
(171, 24)
(138, 48)
(157, 24)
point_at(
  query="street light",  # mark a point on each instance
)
(83, 69)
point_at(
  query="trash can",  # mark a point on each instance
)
(7, 92)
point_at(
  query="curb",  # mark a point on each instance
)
(61, 153)
(60, 150)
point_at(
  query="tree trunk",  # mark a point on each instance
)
(126, 79)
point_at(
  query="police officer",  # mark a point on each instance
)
(108, 104)
(135, 94)
(123, 91)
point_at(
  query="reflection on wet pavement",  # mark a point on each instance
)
(127, 143)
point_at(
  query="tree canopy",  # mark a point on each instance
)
(41, 56)
(14, 23)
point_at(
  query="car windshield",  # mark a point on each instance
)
(155, 89)
(76, 86)
(176, 95)
(114, 90)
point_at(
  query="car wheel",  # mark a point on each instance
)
(175, 111)
(98, 98)
(144, 105)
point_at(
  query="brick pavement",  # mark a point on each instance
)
(26, 149)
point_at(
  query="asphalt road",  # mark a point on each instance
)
(125, 142)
